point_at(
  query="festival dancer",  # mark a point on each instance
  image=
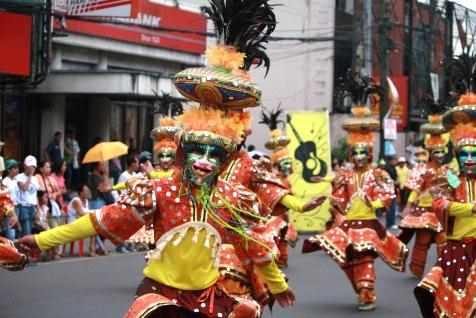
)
(165, 138)
(165, 145)
(197, 211)
(282, 165)
(419, 218)
(357, 193)
(449, 289)
(10, 258)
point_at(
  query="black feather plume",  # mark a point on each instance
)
(462, 73)
(271, 119)
(168, 105)
(244, 24)
(430, 107)
(358, 87)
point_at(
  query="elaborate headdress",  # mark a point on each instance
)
(361, 125)
(435, 133)
(165, 136)
(461, 119)
(278, 141)
(224, 88)
(215, 126)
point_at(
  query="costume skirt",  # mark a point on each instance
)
(449, 289)
(359, 237)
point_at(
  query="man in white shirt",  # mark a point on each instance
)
(26, 195)
(132, 167)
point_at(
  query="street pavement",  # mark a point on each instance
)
(103, 287)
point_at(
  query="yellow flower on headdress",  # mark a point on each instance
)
(225, 56)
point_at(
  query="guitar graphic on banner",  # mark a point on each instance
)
(313, 168)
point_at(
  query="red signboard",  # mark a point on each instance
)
(155, 16)
(15, 44)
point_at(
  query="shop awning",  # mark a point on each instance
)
(106, 83)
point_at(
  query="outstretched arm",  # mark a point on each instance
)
(117, 221)
(79, 229)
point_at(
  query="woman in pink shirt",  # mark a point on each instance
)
(59, 170)
(48, 184)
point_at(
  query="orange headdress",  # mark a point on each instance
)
(215, 126)
(165, 136)
(461, 121)
(278, 141)
(278, 146)
(360, 127)
(435, 133)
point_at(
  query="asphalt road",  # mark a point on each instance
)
(103, 287)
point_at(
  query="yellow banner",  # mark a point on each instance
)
(311, 150)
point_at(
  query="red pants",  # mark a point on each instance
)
(423, 240)
(283, 252)
(361, 273)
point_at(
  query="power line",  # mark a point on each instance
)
(205, 34)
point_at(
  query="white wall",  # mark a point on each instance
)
(301, 74)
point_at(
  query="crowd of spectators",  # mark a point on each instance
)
(50, 193)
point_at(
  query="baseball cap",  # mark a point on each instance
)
(30, 161)
(145, 156)
(402, 160)
(10, 163)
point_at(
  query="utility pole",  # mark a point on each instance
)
(385, 45)
(368, 37)
(409, 61)
(449, 8)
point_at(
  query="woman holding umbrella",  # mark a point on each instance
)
(98, 181)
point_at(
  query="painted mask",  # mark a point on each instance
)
(360, 155)
(421, 156)
(467, 160)
(203, 163)
(166, 158)
(285, 166)
(439, 155)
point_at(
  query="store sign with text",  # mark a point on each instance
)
(151, 24)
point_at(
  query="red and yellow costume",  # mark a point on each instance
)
(165, 137)
(449, 289)
(286, 232)
(188, 233)
(10, 257)
(207, 203)
(419, 218)
(360, 238)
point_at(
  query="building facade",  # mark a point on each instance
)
(105, 79)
